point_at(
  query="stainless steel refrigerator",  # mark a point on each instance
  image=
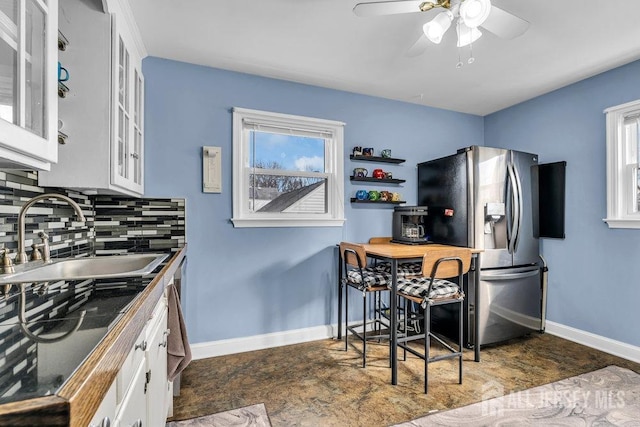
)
(490, 192)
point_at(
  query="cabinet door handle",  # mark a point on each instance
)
(165, 334)
(105, 422)
(142, 346)
(135, 156)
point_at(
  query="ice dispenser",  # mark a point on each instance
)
(495, 226)
(409, 224)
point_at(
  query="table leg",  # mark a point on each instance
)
(393, 342)
(339, 295)
(476, 323)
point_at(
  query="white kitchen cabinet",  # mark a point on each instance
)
(142, 385)
(103, 114)
(158, 389)
(132, 411)
(28, 83)
(141, 393)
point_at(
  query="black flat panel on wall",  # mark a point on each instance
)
(548, 182)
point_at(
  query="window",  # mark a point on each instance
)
(287, 170)
(623, 159)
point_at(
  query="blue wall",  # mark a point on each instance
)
(245, 282)
(593, 273)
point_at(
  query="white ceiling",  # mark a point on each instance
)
(322, 43)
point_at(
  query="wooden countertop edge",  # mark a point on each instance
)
(81, 396)
(33, 412)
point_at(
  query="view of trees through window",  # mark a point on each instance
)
(287, 173)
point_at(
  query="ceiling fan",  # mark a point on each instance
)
(468, 14)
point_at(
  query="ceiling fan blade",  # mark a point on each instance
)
(365, 10)
(418, 47)
(505, 25)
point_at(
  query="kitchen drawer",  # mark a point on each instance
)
(131, 364)
(157, 316)
(133, 409)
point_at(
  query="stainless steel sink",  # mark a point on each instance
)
(133, 265)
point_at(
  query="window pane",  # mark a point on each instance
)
(121, 71)
(121, 153)
(276, 193)
(8, 83)
(10, 9)
(35, 76)
(288, 152)
(637, 190)
(8, 61)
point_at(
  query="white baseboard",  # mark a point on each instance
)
(296, 336)
(260, 342)
(617, 348)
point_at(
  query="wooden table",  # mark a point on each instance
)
(395, 252)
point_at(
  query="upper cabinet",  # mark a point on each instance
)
(103, 113)
(28, 83)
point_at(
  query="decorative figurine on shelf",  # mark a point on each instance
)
(360, 172)
(357, 151)
(374, 195)
(362, 194)
(386, 153)
(367, 151)
(378, 173)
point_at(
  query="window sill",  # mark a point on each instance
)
(623, 222)
(274, 222)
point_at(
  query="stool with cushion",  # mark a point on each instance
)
(431, 289)
(368, 281)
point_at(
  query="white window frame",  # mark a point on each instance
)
(622, 204)
(334, 167)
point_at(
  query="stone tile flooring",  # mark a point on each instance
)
(319, 384)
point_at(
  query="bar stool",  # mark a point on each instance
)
(405, 269)
(432, 289)
(365, 279)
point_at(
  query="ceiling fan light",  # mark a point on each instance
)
(474, 12)
(467, 35)
(435, 29)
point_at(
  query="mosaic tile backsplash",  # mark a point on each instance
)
(138, 225)
(113, 225)
(67, 237)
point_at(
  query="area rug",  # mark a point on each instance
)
(606, 397)
(249, 416)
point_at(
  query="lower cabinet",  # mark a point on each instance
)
(157, 388)
(132, 412)
(141, 394)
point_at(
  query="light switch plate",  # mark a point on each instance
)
(211, 169)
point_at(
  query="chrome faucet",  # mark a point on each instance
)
(21, 256)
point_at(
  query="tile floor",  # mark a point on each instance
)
(319, 384)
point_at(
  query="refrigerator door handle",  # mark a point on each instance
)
(508, 276)
(520, 207)
(514, 213)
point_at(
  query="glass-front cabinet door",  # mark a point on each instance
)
(28, 82)
(127, 143)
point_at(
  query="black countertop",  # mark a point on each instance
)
(38, 356)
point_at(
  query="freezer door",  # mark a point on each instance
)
(510, 304)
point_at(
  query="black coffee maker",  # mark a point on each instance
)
(409, 225)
